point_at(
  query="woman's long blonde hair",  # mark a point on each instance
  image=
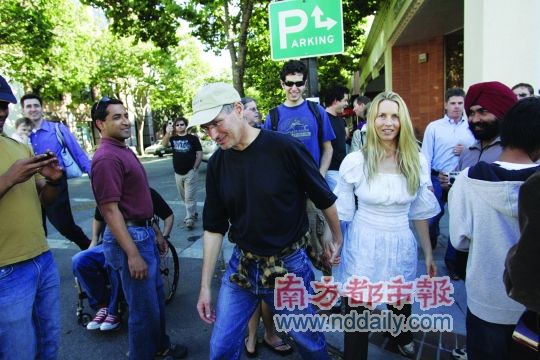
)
(407, 147)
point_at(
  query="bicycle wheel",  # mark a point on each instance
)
(170, 270)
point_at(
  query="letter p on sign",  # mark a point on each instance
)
(291, 29)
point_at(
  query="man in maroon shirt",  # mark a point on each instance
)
(123, 196)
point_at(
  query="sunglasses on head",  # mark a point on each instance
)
(297, 83)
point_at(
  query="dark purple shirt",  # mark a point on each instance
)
(118, 176)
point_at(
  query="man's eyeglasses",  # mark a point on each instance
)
(297, 83)
(4, 105)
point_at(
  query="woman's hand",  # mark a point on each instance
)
(431, 268)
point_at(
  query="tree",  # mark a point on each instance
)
(145, 77)
(47, 51)
(148, 20)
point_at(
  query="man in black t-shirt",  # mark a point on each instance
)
(336, 100)
(256, 189)
(187, 156)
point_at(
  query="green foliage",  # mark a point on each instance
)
(148, 20)
(45, 50)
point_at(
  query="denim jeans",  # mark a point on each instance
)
(487, 340)
(332, 177)
(235, 305)
(187, 188)
(30, 309)
(145, 299)
(98, 281)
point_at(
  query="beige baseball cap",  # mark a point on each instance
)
(209, 101)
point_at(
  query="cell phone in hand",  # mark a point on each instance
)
(452, 175)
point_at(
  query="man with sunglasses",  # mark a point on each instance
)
(43, 138)
(187, 156)
(122, 193)
(296, 118)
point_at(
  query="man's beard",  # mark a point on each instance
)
(485, 130)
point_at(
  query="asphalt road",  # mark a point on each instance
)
(183, 322)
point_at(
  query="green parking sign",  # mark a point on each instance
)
(305, 28)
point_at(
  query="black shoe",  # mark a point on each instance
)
(174, 352)
(408, 350)
(250, 354)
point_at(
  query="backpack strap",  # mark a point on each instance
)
(274, 118)
(314, 108)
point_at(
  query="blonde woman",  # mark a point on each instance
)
(391, 181)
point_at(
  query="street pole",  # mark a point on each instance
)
(313, 82)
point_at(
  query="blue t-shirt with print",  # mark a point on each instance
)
(299, 122)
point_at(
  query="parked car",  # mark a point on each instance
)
(208, 148)
(157, 149)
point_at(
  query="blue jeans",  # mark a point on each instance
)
(98, 281)
(30, 309)
(235, 305)
(146, 323)
(487, 340)
(332, 177)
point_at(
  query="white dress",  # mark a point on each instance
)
(379, 244)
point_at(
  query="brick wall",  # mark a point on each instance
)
(420, 84)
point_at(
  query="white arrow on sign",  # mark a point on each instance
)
(317, 14)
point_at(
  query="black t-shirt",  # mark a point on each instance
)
(261, 191)
(184, 150)
(161, 208)
(338, 144)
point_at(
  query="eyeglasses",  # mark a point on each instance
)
(522, 95)
(4, 105)
(180, 124)
(297, 83)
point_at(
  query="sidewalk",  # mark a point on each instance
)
(430, 345)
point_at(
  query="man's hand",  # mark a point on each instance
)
(332, 248)
(443, 180)
(458, 149)
(161, 244)
(137, 267)
(204, 306)
(24, 169)
(52, 171)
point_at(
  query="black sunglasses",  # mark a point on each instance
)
(297, 83)
(4, 105)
